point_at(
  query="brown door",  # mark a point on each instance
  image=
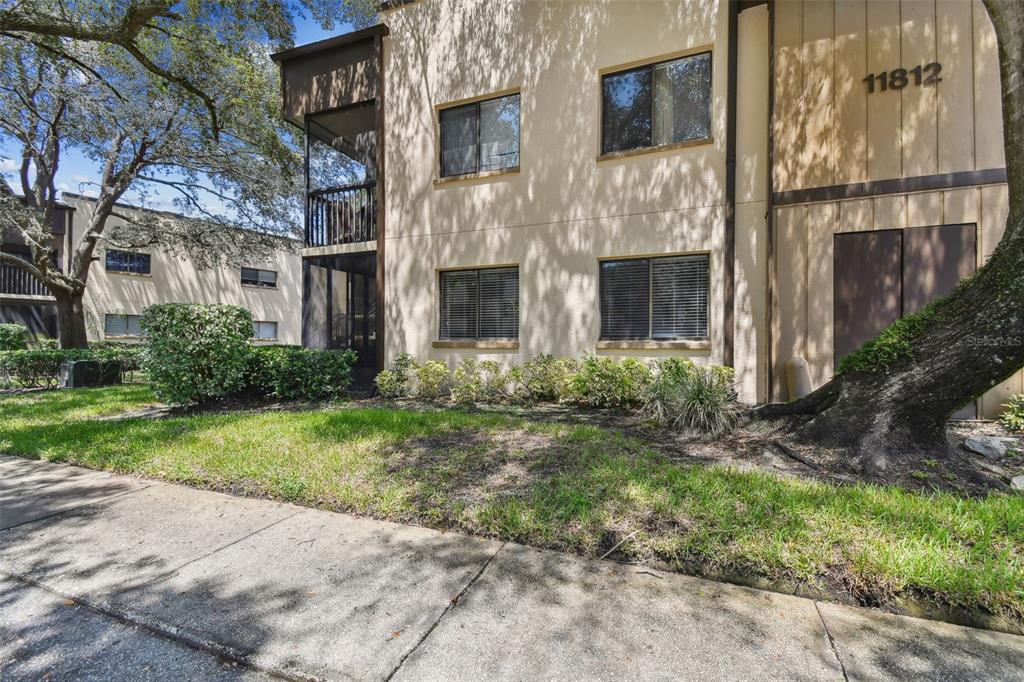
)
(868, 287)
(884, 275)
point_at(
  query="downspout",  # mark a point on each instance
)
(729, 255)
(381, 212)
(770, 209)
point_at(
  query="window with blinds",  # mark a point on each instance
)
(660, 299)
(480, 136)
(480, 304)
(127, 261)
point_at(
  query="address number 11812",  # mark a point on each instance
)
(897, 79)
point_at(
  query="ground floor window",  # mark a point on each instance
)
(480, 304)
(660, 299)
(264, 330)
(254, 277)
(122, 325)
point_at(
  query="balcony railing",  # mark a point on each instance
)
(341, 215)
(15, 281)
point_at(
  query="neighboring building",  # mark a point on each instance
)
(23, 298)
(122, 283)
(736, 182)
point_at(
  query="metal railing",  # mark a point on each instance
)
(16, 281)
(341, 215)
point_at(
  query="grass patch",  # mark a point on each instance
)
(563, 486)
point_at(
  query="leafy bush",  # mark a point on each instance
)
(296, 373)
(606, 382)
(36, 368)
(196, 353)
(540, 379)
(46, 343)
(700, 399)
(479, 382)
(128, 354)
(1013, 416)
(13, 336)
(433, 380)
(394, 383)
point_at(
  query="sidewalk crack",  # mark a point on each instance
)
(451, 605)
(832, 642)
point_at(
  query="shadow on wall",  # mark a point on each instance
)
(563, 210)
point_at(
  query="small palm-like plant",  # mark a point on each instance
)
(691, 398)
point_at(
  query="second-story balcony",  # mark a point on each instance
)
(16, 282)
(341, 215)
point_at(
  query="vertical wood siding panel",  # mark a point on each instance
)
(988, 127)
(818, 159)
(919, 103)
(792, 296)
(885, 148)
(924, 209)
(960, 206)
(855, 216)
(890, 213)
(851, 100)
(956, 91)
(822, 220)
(788, 94)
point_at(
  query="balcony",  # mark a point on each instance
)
(16, 282)
(341, 215)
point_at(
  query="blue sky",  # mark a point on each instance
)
(76, 171)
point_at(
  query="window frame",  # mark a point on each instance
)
(650, 340)
(476, 103)
(257, 284)
(127, 335)
(134, 254)
(478, 339)
(255, 334)
(650, 64)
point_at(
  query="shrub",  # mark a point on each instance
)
(38, 368)
(128, 354)
(433, 380)
(669, 374)
(296, 373)
(466, 382)
(541, 379)
(394, 383)
(1013, 416)
(196, 353)
(606, 382)
(46, 343)
(700, 399)
(13, 336)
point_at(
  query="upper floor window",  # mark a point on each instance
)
(657, 104)
(128, 261)
(255, 277)
(480, 304)
(264, 330)
(481, 136)
(122, 325)
(661, 299)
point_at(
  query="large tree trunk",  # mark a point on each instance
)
(950, 353)
(71, 320)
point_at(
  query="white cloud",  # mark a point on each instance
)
(7, 164)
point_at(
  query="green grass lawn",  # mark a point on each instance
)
(575, 488)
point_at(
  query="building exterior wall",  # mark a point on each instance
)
(564, 209)
(176, 280)
(828, 130)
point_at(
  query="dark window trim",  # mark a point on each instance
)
(257, 284)
(602, 340)
(478, 337)
(132, 255)
(479, 149)
(614, 71)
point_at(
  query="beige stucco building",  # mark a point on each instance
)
(741, 183)
(122, 283)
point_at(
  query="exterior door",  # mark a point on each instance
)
(883, 275)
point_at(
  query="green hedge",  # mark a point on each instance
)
(13, 336)
(38, 368)
(196, 353)
(296, 373)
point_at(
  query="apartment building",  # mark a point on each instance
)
(123, 282)
(740, 183)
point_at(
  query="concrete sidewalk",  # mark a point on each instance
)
(109, 576)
